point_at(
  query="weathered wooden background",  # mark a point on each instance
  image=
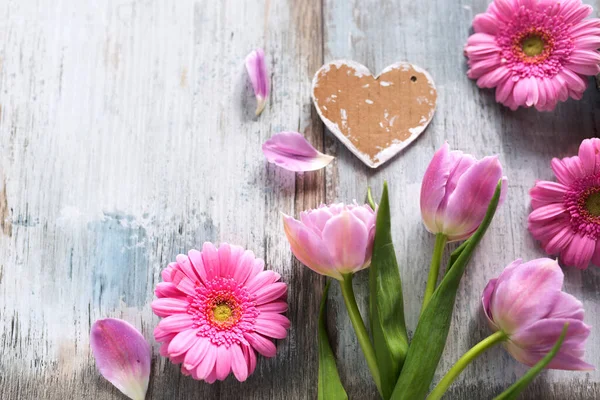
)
(127, 135)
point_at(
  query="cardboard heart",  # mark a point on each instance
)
(375, 117)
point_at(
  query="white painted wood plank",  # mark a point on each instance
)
(127, 136)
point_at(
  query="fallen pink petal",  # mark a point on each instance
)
(290, 150)
(257, 70)
(122, 356)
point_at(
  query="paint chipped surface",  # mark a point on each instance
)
(5, 217)
(375, 117)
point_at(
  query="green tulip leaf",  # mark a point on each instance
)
(386, 304)
(329, 386)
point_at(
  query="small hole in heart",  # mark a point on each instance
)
(413, 78)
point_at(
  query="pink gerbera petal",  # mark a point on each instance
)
(239, 366)
(579, 252)
(224, 308)
(566, 215)
(560, 241)
(543, 48)
(596, 256)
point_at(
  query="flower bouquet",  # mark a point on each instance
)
(538, 324)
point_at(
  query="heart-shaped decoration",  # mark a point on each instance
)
(375, 117)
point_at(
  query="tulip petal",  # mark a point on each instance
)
(257, 70)
(122, 356)
(533, 343)
(308, 248)
(569, 362)
(526, 294)
(291, 151)
(468, 203)
(541, 335)
(460, 163)
(567, 306)
(433, 188)
(488, 292)
(347, 239)
(439, 182)
(316, 219)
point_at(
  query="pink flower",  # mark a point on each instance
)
(456, 192)
(333, 240)
(527, 304)
(534, 52)
(219, 305)
(122, 356)
(290, 150)
(257, 70)
(566, 214)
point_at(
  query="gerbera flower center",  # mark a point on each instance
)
(223, 311)
(582, 202)
(592, 204)
(533, 45)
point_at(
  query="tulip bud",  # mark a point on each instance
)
(456, 192)
(333, 240)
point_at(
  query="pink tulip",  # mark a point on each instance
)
(333, 240)
(257, 70)
(527, 304)
(456, 192)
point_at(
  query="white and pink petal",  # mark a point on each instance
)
(122, 356)
(291, 151)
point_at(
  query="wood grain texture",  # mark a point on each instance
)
(127, 136)
(432, 34)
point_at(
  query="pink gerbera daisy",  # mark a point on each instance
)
(219, 305)
(534, 52)
(566, 215)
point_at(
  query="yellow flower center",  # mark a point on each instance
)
(592, 204)
(533, 45)
(222, 312)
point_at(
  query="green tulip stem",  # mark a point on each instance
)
(434, 268)
(359, 327)
(461, 364)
